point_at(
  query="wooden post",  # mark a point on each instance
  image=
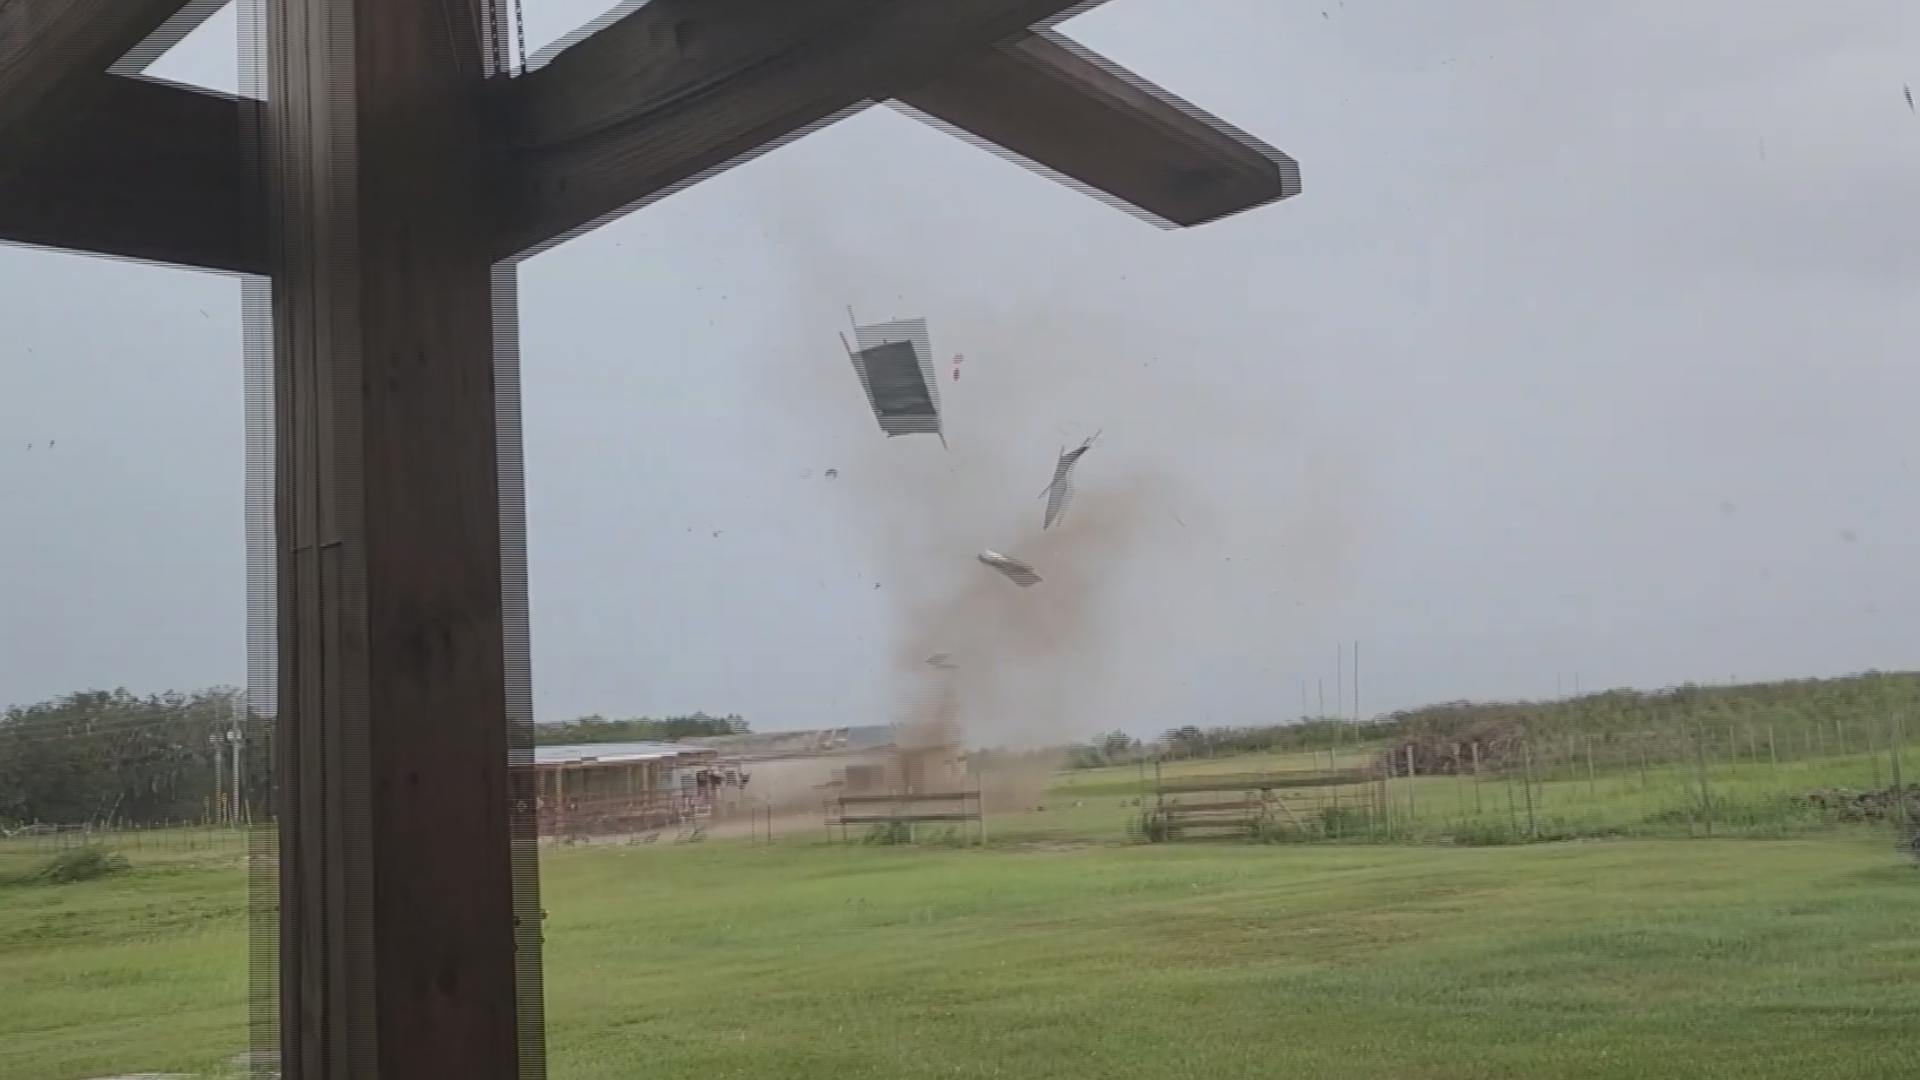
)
(1476, 778)
(1873, 756)
(1893, 764)
(1773, 752)
(393, 718)
(1593, 788)
(1460, 777)
(1410, 774)
(1526, 750)
(1706, 792)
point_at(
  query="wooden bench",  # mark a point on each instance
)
(911, 809)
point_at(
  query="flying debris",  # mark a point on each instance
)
(941, 661)
(1016, 571)
(895, 363)
(1907, 88)
(1060, 492)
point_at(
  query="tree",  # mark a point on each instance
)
(99, 754)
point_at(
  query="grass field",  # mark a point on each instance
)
(1063, 951)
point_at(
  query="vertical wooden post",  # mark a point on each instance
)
(1460, 777)
(1593, 787)
(1410, 784)
(1526, 750)
(1476, 778)
(1706, 792)
(397, 890)
(1893, 763)
(1873, 756)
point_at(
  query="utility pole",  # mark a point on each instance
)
(217, 804)
(236, 742)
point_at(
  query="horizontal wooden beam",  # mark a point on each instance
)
(681, 88)
(1079, 117)
(155, 174)
(655, 100)
(53, 54)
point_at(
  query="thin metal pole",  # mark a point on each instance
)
(1356, 681)
(1339, 677)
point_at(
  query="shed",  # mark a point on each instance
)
(599, 787)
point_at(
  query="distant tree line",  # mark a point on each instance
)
(599, 729)
(106, 755)
(1788, 707)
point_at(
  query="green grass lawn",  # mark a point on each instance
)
(1629, 958)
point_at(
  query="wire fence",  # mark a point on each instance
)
(159, 837)
(1704, 779)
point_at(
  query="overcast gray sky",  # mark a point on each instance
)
(1588, 350)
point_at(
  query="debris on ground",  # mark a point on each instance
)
(1882, 804)
(895, 363)
(1016, 571)
(1060, 491)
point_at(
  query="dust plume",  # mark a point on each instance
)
(1208, 525)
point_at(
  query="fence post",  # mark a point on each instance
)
(1873, 757)
(1410, 775)
(1706, 792)
(1643, 764)
(1526, 752)
(1513, 813)
(1893, 762)
(1593, 788)
(1840, 736)
(1773, 755)
(1476, 779)
(1460, 776)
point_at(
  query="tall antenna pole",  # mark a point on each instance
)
(1339, 678)
(1356, 680)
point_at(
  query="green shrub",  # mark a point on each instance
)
(78, 864)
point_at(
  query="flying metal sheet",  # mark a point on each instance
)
(895, 363)
(1015, 571)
